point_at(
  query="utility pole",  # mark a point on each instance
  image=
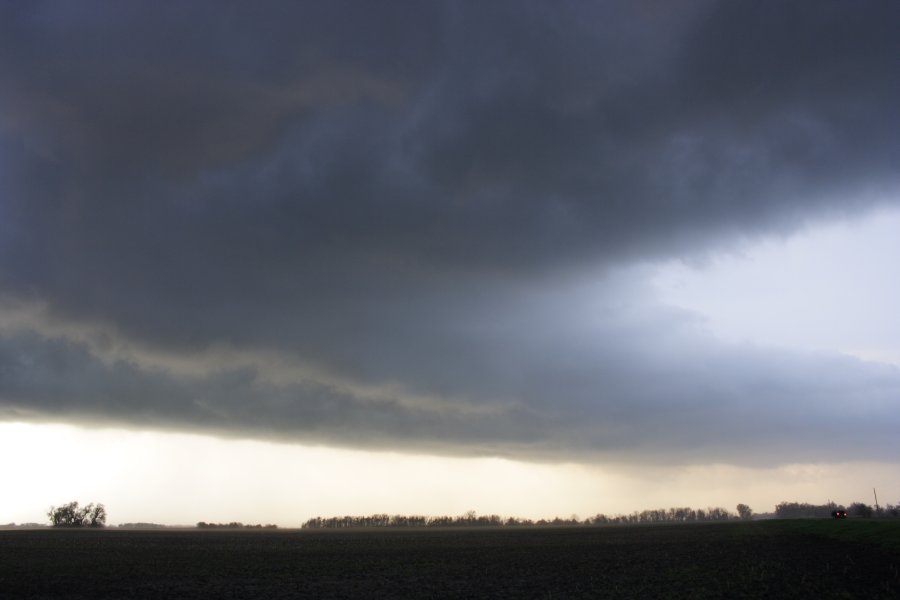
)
(876, 500)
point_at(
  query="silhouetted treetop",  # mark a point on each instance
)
(71, 515)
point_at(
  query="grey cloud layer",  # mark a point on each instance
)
(386, 192)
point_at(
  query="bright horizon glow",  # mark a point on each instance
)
(145, 476)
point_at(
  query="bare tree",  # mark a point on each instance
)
(71, 515)
(96, 515)
(860, 509)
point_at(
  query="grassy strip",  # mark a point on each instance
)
(881, 532)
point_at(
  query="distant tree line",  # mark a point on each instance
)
(471, 519)
(233, 525)
(94, 515)
(142, 526)
(803, 510)
(665, 515)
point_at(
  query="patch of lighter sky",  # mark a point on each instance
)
(149, 476)
(830, 288)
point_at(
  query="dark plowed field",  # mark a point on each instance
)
(729, 560)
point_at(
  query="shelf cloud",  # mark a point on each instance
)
(428, 226)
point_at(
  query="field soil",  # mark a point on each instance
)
(717, 560)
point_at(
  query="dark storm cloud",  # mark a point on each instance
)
(384, 192)
(636, 404)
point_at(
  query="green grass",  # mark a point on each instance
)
(882, 532)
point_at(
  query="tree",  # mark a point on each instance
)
(66, 515)
(744, 512)
(96, 514)
(71, 515)
(860, 509)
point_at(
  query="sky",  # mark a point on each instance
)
(265, 261)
